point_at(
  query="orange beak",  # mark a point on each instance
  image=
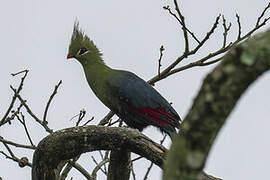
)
(69, 56)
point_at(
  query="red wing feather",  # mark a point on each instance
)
(159, 115)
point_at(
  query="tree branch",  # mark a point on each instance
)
(226, 30)
(68, 143)
(16, 144)
(219, 94)
(239, 26)
(182, 18)
(49, 102)
(98, 167)
(16, 92)
(161, 49)
(106, 119)
(28, 109)
(120, 165)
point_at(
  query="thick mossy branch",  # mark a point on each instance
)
(218, 95)
(68, 143)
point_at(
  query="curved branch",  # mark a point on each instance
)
(68, 143)
(219, 94)
(98, 167)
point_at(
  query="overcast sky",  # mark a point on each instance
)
(35, 35)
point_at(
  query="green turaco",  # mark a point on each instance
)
(136, 102)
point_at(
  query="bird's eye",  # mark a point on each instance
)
(82, 51)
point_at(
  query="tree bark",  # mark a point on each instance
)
(218, 95)
(53, 151)
(69, 143)
(120, 165)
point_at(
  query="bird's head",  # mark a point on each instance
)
(81, 47)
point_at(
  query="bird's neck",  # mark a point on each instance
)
(97, 72)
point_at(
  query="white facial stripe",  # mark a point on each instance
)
(85, 52)
(78, 53)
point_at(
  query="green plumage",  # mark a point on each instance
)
(96, 72)
(79, 40)
(130, 97)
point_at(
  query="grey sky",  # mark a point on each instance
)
(36, 34)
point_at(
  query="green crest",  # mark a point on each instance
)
(80, 40)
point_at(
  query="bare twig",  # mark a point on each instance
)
(114, 122)
(262, 14)
(73, 163)
(106, 119)
(22, 121)
(239, 26)
(226, 30)
(92, 118)
(81, 116)
(194, 64)
(163, 139)
(207, 36)
(14, 114)
(161, 49)
(32, 114)
(21, 161)
(93, 158)
(107, 153)
(120, 123)
(179, 20)
(165, 72)
(74, 117)
(184, 28)
(148, 171)
(16, 144)
(151, 164)
(101, 155)
(200, 62)
(133, 172)
(3, 121)
(99, 167)
(49, 102)
(106, 156)
(210, 62)
(65, 172)
(81, 170)
(9, 150)
(170, 69)
(137, 158)
(23, 71)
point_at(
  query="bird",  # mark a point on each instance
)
(131, 98)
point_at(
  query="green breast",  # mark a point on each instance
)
(99, 77)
